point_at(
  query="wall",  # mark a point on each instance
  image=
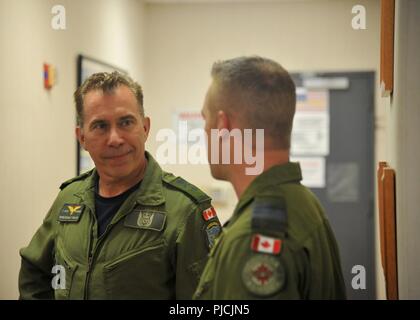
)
(183, 40)
(37, 132)
(403, 152)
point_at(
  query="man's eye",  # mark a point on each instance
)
(100, 126)
(126, 123)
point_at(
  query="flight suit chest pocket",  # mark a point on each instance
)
(63, 273)
(138, 274)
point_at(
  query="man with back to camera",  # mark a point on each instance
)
(278, 244)
(126, 229)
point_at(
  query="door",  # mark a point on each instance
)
(336, 150)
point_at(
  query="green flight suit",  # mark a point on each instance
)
(155, 247)
(277, 245)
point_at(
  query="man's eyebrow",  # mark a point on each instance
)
(127, 117)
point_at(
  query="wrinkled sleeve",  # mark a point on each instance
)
(37, 261)
(193, 246)
(326, 281)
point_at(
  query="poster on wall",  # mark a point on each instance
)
(313, 171)
(189, 124)
(87, 66)
(310, 143)
(311, 125)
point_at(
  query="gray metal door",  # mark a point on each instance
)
(348, 193)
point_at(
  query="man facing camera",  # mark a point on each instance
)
(126, 229)
(278, 243)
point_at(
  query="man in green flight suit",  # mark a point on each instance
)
(278, 243)
(126, 229)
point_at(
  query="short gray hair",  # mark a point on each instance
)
(261, 92)
(106, 82)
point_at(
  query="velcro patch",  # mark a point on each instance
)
(146, 219)
(264, 244)
(209, 213)
(213, 230)
(71, 212)
(269, 214)
(263, 275)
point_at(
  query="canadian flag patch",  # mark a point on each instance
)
(265, 244)
(209, 213)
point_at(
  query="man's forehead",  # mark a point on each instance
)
(118, 93)
(109, 106)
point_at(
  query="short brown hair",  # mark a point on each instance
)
(106, 82)
(261, 92)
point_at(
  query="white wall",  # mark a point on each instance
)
(183, 40)
(403, 152)
(37, 131)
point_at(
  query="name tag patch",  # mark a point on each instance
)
(71, 212)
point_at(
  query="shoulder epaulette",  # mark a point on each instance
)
(80, 177)
(192, 191)
(269, 214)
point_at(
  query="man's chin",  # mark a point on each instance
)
(216, 173)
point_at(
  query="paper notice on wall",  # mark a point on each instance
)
(189, 126)
(313, 171)
(311, 125)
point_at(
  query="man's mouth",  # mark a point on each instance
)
(117, 156)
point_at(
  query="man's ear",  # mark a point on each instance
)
(146, 126)
(80, 136)
(223, 121)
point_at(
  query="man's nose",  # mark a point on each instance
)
(115, 138)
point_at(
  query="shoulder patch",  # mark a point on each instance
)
(192, 191)
(213, 230)
(263, 275)
(80, 177)
(269, 214)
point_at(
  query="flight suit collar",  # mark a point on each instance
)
(150, 192)
(264, 183)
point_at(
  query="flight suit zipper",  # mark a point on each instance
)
(92, 252)
(89, 264)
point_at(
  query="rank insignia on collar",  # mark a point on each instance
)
(264, 244)
(71, 212)
(209, 213)
(263, 275)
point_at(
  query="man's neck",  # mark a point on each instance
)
(241, 181)
(112, 187)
